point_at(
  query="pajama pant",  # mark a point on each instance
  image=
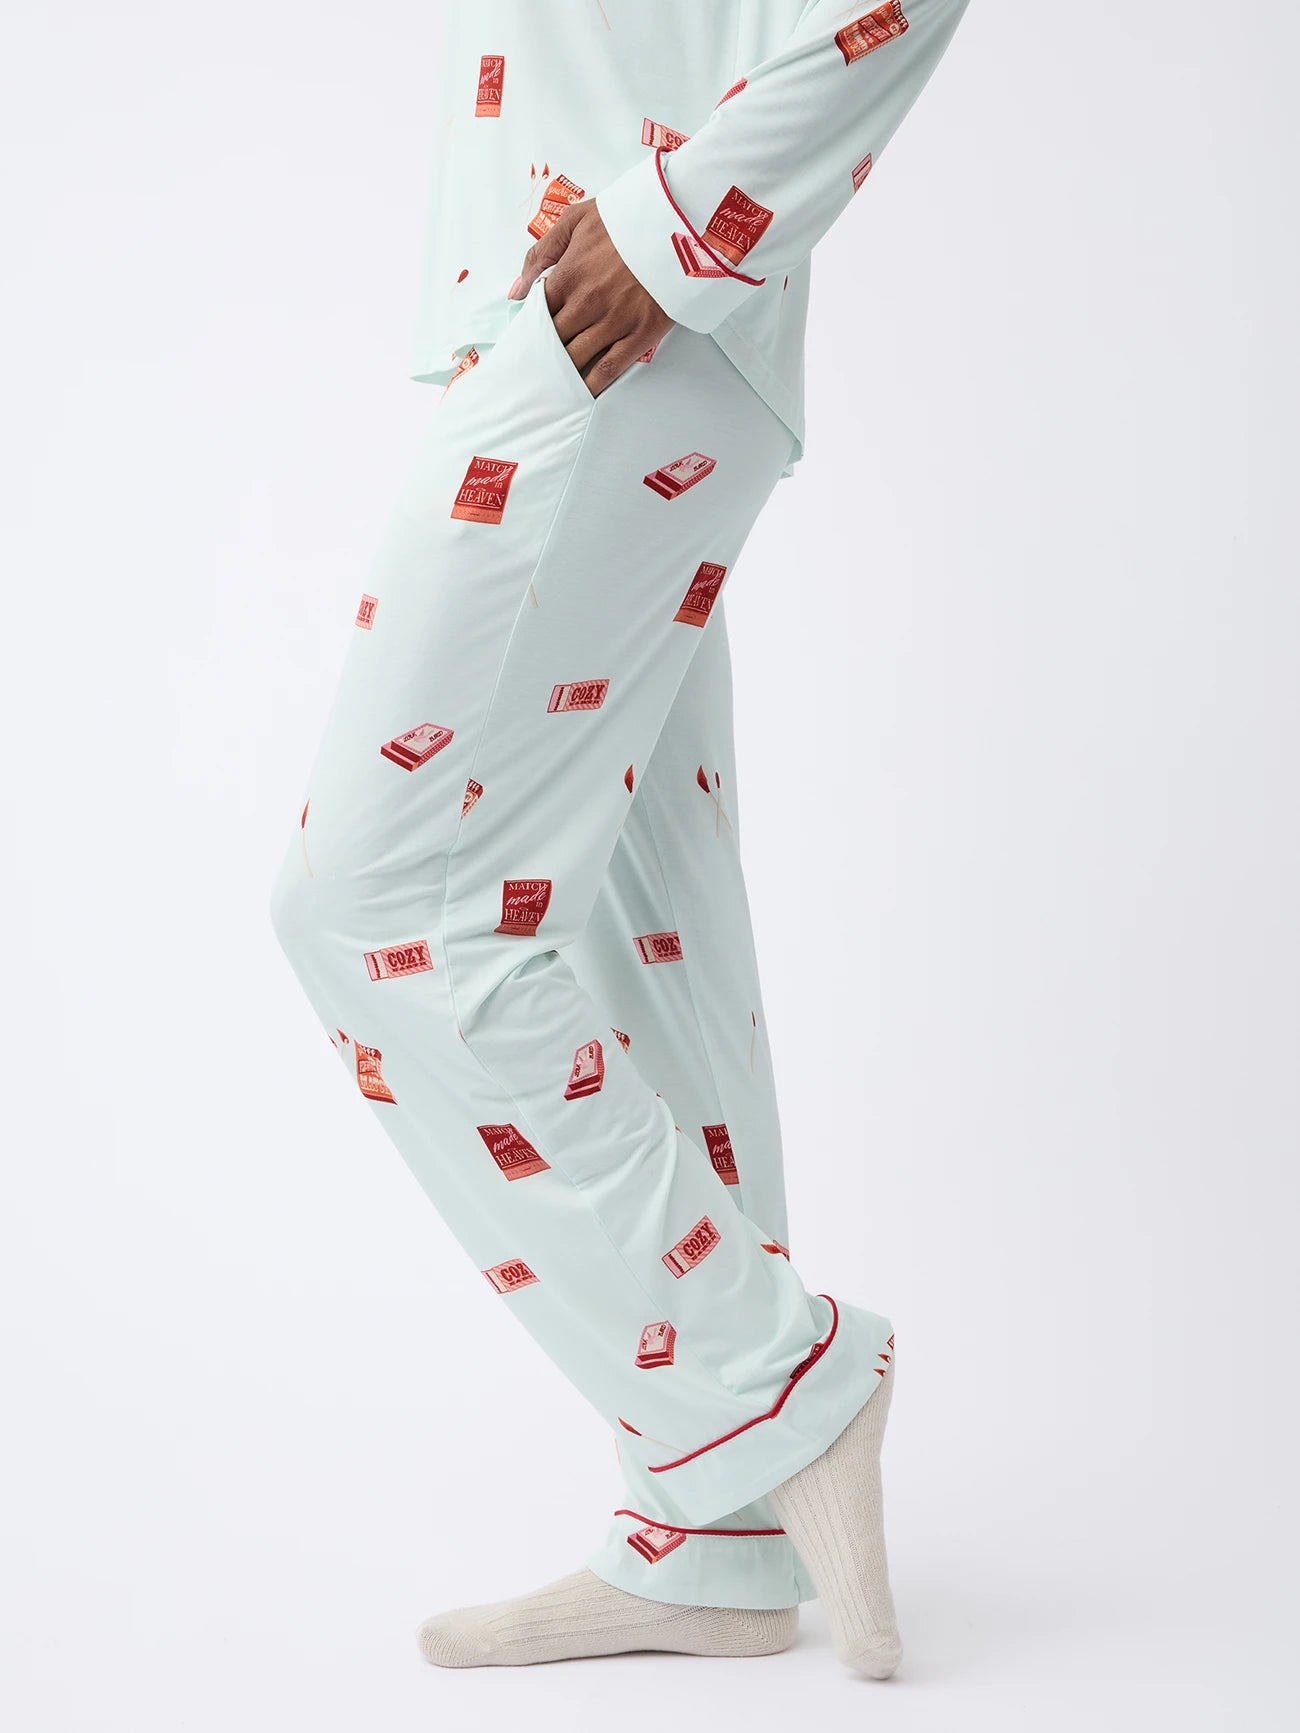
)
(515, 900)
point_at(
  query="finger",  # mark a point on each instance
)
(542, 255)
(614, 363)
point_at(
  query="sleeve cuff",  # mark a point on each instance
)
(666, 254)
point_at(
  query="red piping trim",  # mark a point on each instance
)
(815, 1353)
(738, 275)
(673, 1528)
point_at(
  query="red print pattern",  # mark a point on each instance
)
(673, 479)
(737, 225)
(656, 1345)
(692, 1248)
(523, 903)
(653, 1542)
(491, 80)
(482, 495)
(717, 1140)
(578, 695)
(561, 193)
(366, 612)
(660, 136)
(369, 1077)
(693, 259)
(472, 792)
(508, 1277)
(697, 604)
(388, 965)
(871, 31)
(587, 1073)
(417, 746)
(861, 171)
(659, 947)
(511, 1151)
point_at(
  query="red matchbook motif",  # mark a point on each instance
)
(561, 193)
(397, 960)
(718, 1142)
(693, 259)
(482, 495)
(659, 947)
(588, 1071)
(366, 612)
(653, 1542)
(692, 1248)
(511, 1151)
(737, 225)
(697, 604)
(369, 1077)
(507, 1277)
(523, 903)
(578, 695)
(417, 746)
(662, 137)
(861, 171)
(674, 478)
(624, 1041)
(472, 791)
(491, 80)
(469, 359)
(656, 1345)
(871, 31)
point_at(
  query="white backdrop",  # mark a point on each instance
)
(1015, 659)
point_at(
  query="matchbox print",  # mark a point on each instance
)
(417, 746)
(624, 1041)
(472, 792)
(861, 171)
(397, 960)
(511, 1151)
(578, 695)
(366, 612)
(659, 947)
(561, 193)
(523, 903)
(482, 495)
(369, 1077)
(656, 1345)
(717, 1140)
(871, 31)
(661, 137)
(507, 1278)
(693, 259)
(469, 359)
(587, 1073)
(674, 478)
(692, 1248)
(697, 604)
(653, 1542)
(737, 225)
(491, 81)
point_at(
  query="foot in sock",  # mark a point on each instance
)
(582, 1614)
(832, 1511)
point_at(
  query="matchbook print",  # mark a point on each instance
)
(561, 193)
(697, 604)
(370, 1078)
(469, 359)
(417, 746)
(587, 1073)
(861, 171)
(578, 695)
(692, 1248)
(871, 31)
(396, 960)
(693, 259)
(523, 903)
(674, 478)
(507, 1278)
(656, 1345)
(624, 1041)
(737, 225)
(366, 612)
(717, 1140)
(661, 137)
(472, 792)
(491, 80)
(659, 947)
(653, 1542)
(482, 495)
(511, 1151)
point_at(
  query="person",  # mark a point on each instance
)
(514, 894)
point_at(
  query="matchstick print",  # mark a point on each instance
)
(885, 1357)
(737, 226)
(753, 1037)
(656, 1345)
(719, 813)
(509, 1277)
(398, 960)
(674, 478)
(659, 947)
(482, 495)
(511, 1151)
(302, 826)
(697, 604)
(491, 82)
(776, 1247)
(417, 746)
(717, 1140)
(604, 19)
(366, 612)
(871, 31)
(370, 1078)
(653, 1542)
(692, 1248)
(523, 904)
(559, 195)
(587, 1073)
(578, 695)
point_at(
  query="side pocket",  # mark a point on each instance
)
(573, 380)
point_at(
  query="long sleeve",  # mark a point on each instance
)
(745, 197)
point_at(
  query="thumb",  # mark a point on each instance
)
(544, 253)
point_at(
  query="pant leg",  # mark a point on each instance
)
(538, 598)
(698, 1034)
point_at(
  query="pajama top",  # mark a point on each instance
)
(719, 138)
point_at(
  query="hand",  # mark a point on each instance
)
(604, 318)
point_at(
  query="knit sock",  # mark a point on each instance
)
(832, 1512)
(582, 1614)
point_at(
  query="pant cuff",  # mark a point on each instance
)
(722, 1567)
